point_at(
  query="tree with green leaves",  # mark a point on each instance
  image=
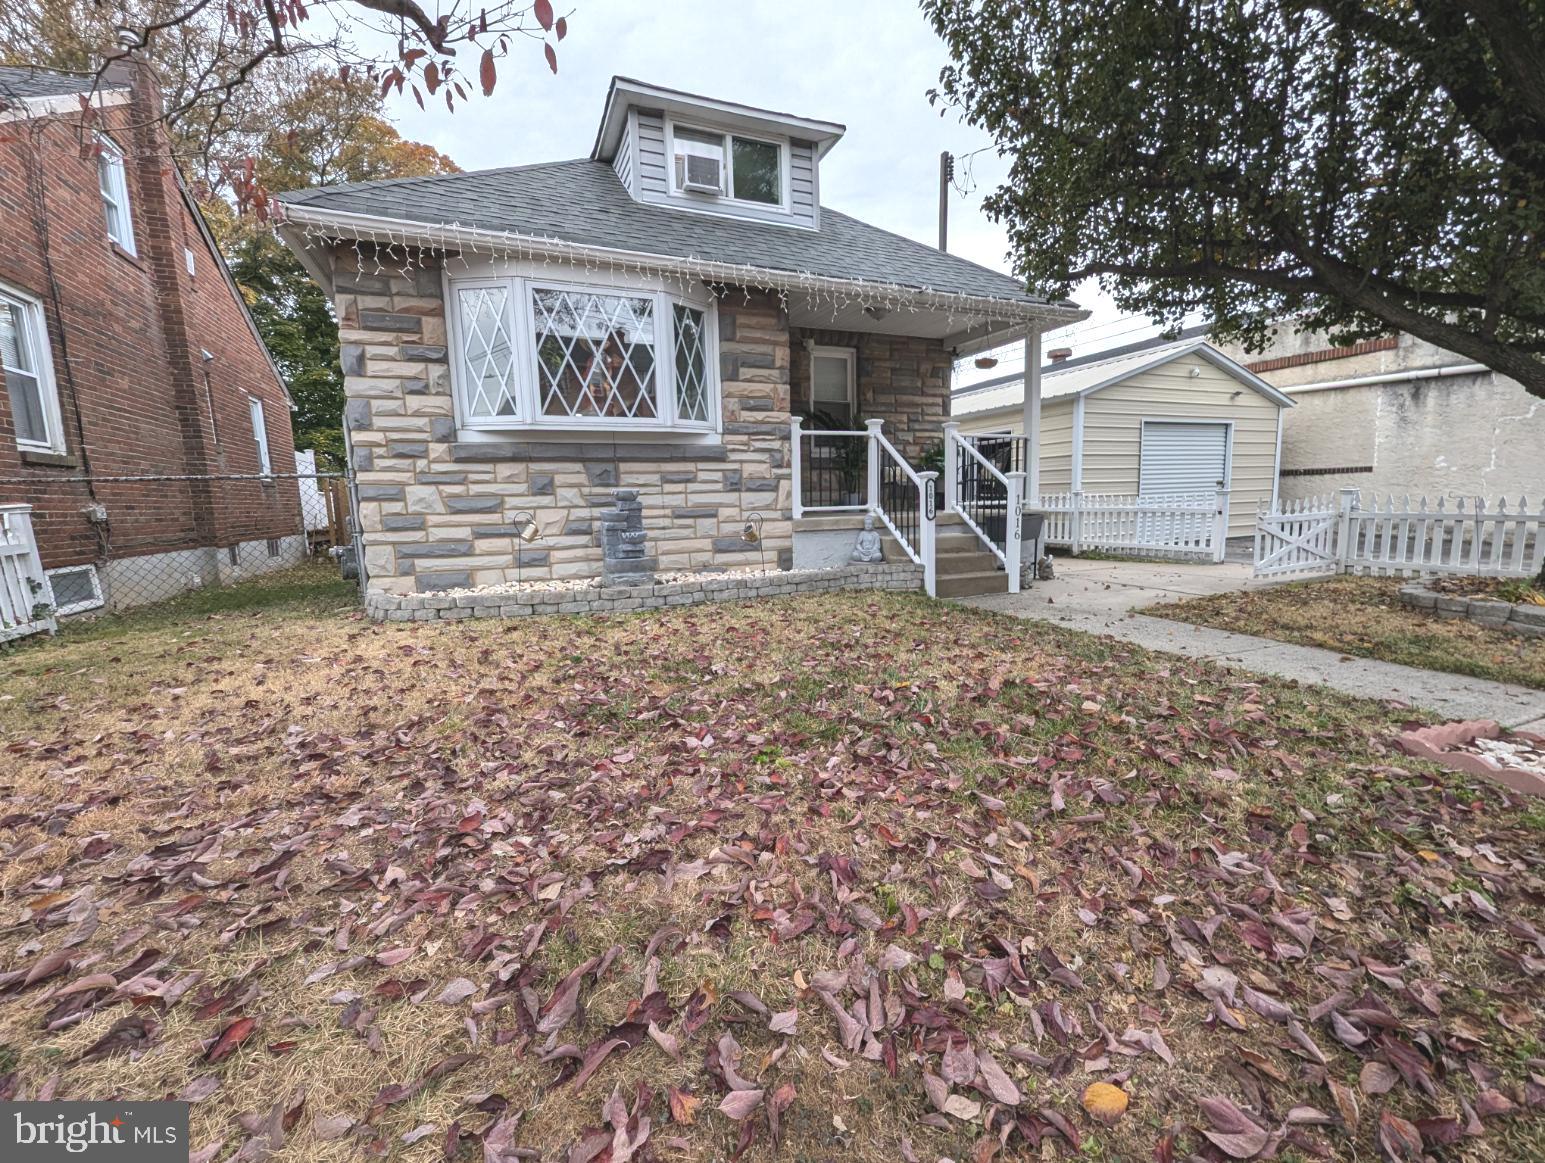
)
(1364, 166)
(327, 129)
(292, 124)
(225, 48)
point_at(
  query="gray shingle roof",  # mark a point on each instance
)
(23, 81)
(583, 202)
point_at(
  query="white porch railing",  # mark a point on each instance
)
(26, 598)
(1338, 534)
(1189, 525)
(862, 472)
(987, 499)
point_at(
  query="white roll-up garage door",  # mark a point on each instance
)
(1182, 457)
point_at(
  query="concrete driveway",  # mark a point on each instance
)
(1091, 595)
(1102, 597)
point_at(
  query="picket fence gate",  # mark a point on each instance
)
(1339, 534)
(26, 598)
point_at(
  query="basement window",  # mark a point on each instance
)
(76, 589)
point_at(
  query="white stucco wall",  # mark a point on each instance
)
(1468, 435)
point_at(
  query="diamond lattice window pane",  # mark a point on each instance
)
(691, 365)
(595, 354)
(487, 351)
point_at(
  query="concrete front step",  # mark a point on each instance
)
(968, 561)
(963, 565)
(964, 585)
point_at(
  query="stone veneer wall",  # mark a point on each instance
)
(902, 380)
(1490, 613)
(438, 513)
(734, 587)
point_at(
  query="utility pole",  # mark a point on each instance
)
(946, 175)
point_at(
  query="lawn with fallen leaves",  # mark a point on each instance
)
(1362, 616)
(850, 877)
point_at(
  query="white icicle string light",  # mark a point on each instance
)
(403, 253)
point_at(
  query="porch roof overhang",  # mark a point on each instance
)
(965, 322)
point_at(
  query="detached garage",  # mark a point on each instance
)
(1154, 420)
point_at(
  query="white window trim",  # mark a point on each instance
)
(95, 602)
(260, 436)
(785, 174)
(35, 335)
(118, 196)
(521, 321)
(850, 355)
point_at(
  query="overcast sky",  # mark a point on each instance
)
(865, 63)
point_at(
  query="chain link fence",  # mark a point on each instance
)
(116, 543)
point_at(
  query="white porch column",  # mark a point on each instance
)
(797, 500)
(873, 442)
(1033, 416)
(951, 469)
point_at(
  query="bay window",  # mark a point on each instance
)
(534, 353)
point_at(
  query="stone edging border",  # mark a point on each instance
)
(1490, 613)
(430, 607)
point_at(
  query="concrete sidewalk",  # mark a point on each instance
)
(1099, 597)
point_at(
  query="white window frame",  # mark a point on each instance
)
(727, 148)
(848, 354)
(114, 186)
(520, 319)
(95, 602)
(260, 436)
(34, 334)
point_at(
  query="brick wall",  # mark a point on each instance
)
(439, 511)
(127, 334)
(902, 380)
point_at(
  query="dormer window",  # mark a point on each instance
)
(727, 165)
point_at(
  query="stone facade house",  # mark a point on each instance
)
(519, 344)
(135, 384)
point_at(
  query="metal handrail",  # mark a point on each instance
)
(1000, 553)
(923, 553)
(1009, 551)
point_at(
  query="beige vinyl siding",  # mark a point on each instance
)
(1056, 438)
(1113, 423)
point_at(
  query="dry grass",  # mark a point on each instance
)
(1362, 616)
(254, 796)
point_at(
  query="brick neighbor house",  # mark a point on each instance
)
(519, 344)
(128, 352)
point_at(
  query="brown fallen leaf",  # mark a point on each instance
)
(231, 1037)
(739, 1104)
(1377, 1078)
(1399, 1140)
(683, 1106)
(1104, 1102)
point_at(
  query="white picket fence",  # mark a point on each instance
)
(1183, 525)
(26, 598)
(1341, 535)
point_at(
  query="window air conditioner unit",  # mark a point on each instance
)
(704, 175)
